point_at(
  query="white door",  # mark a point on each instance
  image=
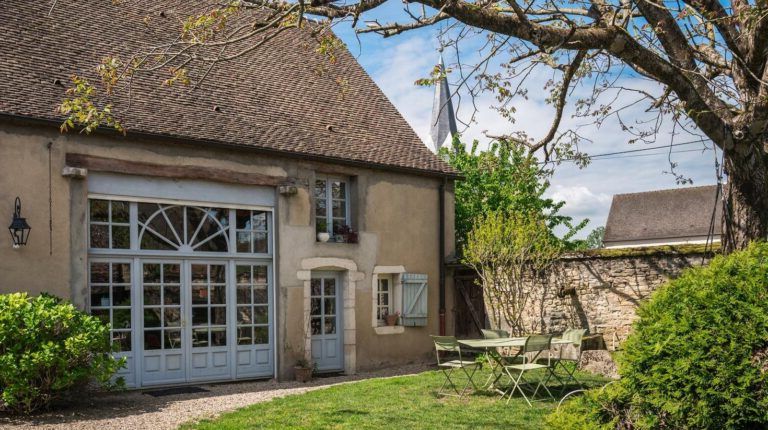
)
(207, 304)
(187, 287)
(253, 319)
(163, 337)
(325, 322)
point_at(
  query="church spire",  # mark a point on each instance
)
(443, 117)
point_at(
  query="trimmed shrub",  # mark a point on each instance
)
(47, 348)
(697, 357)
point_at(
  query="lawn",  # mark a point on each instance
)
(400, 402)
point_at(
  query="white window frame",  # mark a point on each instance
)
(135, 228)
(109, 223)
(396, 297)
(389, 305)
(329, 202)
(110, 307)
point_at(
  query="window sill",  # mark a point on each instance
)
(386, 329)
(337, 242)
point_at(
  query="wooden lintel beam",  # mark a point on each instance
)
(140, 168)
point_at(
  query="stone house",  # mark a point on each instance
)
(266, 216)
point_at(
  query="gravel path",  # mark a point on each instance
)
(135, 410)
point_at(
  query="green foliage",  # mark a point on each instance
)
(201, 28)
(593, 241)
(81, 111)
(502, 238)
(698, 355)
(47, 348)
(503, 178)
(506, 248)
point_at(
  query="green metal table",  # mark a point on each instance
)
(491, 347)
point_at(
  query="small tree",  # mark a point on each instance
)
(507, 249)
(504, 177)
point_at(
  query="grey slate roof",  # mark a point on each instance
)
(662, 214)
(271, 98)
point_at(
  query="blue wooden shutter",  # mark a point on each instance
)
(415, 294)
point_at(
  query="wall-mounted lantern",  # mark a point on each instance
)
(19, 228)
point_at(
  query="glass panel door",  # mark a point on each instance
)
(163, 358)
(253, 313)
(325, 319)
(208, 310)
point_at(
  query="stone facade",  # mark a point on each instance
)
(601, 290)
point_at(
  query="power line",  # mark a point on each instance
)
(651, 155)
(628, 151)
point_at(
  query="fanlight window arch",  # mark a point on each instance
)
(183, 228)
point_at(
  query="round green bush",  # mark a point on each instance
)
(47, 348)
(697, 357)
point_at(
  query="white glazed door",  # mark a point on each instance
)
(325, 323)
(207, 304)
(163, 335)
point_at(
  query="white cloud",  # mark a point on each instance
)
(580, 201)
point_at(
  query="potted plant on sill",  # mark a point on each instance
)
(303, 370)
(322, 233)
(391, 319)
(346, 234)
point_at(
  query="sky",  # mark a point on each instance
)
(395, 63)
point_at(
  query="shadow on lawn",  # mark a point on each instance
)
(558, 391)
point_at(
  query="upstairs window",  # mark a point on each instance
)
(332, 207)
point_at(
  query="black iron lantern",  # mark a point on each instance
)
(19, 228)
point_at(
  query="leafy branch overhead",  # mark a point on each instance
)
(697, 67)
(209, 36)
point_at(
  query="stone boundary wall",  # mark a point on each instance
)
(600, 290)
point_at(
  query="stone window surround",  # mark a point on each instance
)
(396, 291)
(349, 284)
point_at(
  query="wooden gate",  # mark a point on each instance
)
(470, 309)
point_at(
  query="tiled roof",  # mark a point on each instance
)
(272, 98)
(663, 214)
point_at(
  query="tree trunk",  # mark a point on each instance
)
(745, 210)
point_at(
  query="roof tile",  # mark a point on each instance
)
(271, 98)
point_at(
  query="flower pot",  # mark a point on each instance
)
(391, 319)
(323, 237)
(303, 374)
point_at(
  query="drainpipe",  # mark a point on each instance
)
(441, 259)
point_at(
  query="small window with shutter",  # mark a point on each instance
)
(415, 293)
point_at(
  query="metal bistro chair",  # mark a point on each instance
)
(575, 336)
(534, 346)
(494, 334)
(450, 344)
(502, 356)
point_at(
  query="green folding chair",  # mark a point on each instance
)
(499, 356)
(535, 345)
(575, 336)
(494, 334)
(449, 344)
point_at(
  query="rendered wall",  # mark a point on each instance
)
(396, 215)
